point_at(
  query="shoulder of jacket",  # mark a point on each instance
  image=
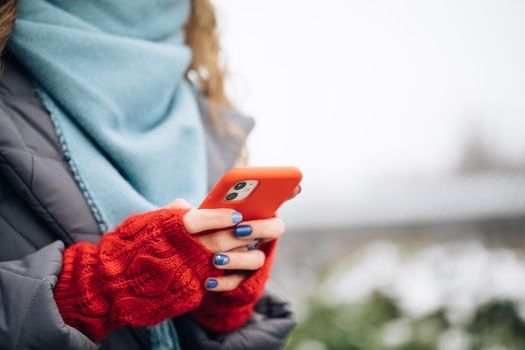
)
(32, 161)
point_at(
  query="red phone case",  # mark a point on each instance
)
(276, 184)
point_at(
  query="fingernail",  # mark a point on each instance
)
(236, 217)
(255, 244)
(220, 259)
(243, 230)
(211, 283)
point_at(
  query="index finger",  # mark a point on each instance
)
(295, 192)
(199, 220)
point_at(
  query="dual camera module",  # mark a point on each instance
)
(241, 190)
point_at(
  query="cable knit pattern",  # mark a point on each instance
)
(223, 312)
(147, 270)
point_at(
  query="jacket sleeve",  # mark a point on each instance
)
(29, 317)
(267, 329)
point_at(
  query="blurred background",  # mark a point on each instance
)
(408, 120)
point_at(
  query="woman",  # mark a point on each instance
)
(100, 129)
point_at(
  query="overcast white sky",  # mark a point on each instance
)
(350, 91)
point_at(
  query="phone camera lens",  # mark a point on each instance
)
(240, 185)
(231, 196)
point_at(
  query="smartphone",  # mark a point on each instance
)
(255, 192)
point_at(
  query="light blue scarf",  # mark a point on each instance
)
(111, 74)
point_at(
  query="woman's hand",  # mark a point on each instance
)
(233, 246)
(226, 312)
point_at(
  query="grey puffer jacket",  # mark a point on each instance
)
(42, 210)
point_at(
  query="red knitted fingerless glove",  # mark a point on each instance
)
(223, 312)
(147, 270)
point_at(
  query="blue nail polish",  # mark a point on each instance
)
(236, 217)
(211, 283)
(220, 259)
(243, 230)
(252, 246)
